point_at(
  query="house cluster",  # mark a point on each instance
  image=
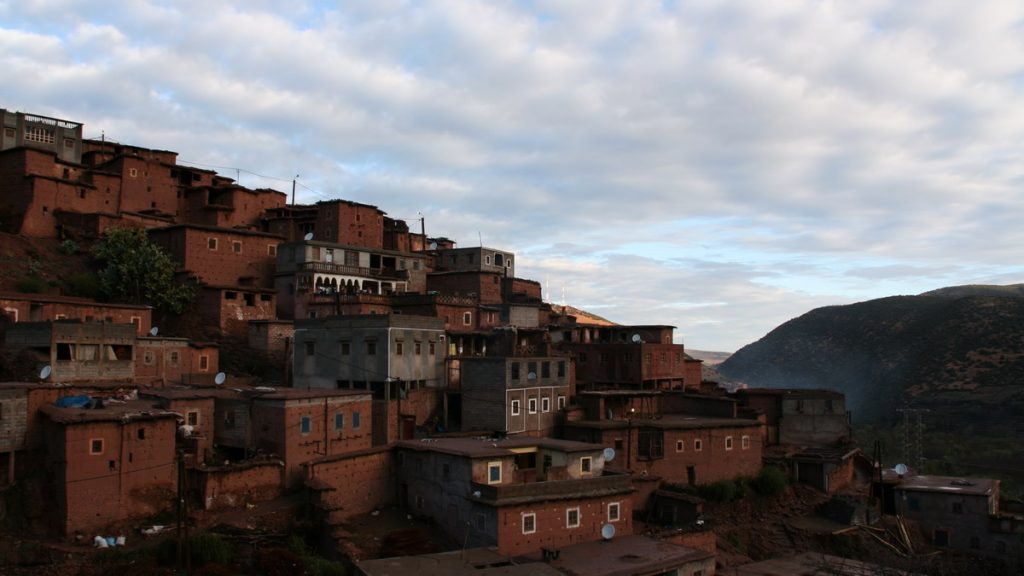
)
(418, 374)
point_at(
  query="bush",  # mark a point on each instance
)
(721, 491)
(69, 247)
(30, 284)
(205, 549)
(84, 284)
(770, 481)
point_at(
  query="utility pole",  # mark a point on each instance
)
(293, 188)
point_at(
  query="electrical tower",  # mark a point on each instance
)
(913, 437)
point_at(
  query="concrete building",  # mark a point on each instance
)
(520, 495)
(475, 259)
(162, 360)
(514, 395)
(78, 351)
(799, 417)
(63, 138)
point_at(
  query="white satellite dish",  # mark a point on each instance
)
(531, 376)
(154, 331)
(308, 236)
(220, 378)
(608, 531)
(637, 339)
(45, 372)
(609, 454)
(901, 469)
(433, 245)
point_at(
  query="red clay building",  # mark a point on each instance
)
(518, 494)
(42, 307)
(351, 223)
(109, 465)
(220, 256)
(160, 361)
(642, 357)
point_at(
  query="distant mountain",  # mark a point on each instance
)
(709, 358)
(957, 351)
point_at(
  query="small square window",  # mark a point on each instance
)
(141, 433)
(613, 511)
(545, 369)
(371, 348)
(346, 348)
(467, 318)
(236, 247)
(531, 405)
(698, 445)
(306, 425)
(561, 368)
(339, 421)
(173, 360)
(572, 518)
(545, 404)
(745, 442)
(432, 348)
(529, 523)
(399, 348)
(271, 250)
(355, 420)
(192, 417)
(680, 445)
(204, 363)
(211, 243)
(96, 446)
(514, 370)
(310, 348)
(585, 464)
(515, 407)
(561, 402)
(418, 348)
(728, 442)
(494, 472)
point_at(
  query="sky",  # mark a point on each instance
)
(718, 165)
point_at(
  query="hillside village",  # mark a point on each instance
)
(401, 371)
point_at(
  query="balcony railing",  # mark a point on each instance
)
(332, 268)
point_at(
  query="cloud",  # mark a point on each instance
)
(724, 164)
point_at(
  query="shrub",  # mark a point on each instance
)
(721, 491)
(770, 481)
(205, 549)
(68, 247)
(84, 284)
(30, 284)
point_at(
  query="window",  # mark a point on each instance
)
(148, 357)
(371, 348)
(529, 523)
(698, 445)
(339, 421)
(680, 445)
(613, 511)
(432, 349)
(229, 419)
(651, 443)
(572, 517)
(96, 446)
(514, 369)
(173, 360)
(494, 472)
(271, 250)
(487, 260)
(515, 407)
(355, 419)
(585, 465)
(231, 295)
(192, 417)
(418, 348)
(561, 368)
(141, 433)
(728, 442)
(561, 402)
(236, 247)
(311, 348)
(204, 363)
(133, 172)
(545, 404)
(531, 405)
(545, 369)
(211, 243)
(346, 348)
(745, 442)
(467, 318)
(305, 425)
(399, 348)
(250, 299)
(958, 507)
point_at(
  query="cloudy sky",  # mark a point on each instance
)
(721, 166)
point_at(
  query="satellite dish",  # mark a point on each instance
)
(220, 378)
(901, 469)
(531, 376)
(433, 245)
(45, 372)
(608, 531)
(609, 454)
(637, 339)
(154, 331)
(308, 236)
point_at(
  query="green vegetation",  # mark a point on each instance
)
(83, 284)
(31, 284)
(204, 547)
(136, 271)
(770, 481)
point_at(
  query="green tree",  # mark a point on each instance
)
(136, 271)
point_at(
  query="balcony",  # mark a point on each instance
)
(359, 271)
(512, 494)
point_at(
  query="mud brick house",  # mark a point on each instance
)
(961, 514)
(221, 256)
(311, 272)
(227, 205)
(517, 494)
(43, 307)
(399, 358)
(641, 357)
(195, 408)
(514, 395)
(475, 259)
(161, 360)
(109, 464)
(799, 417)
(78, 351)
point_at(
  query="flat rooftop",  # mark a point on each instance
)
(668, 422)
(488, 447)
(110, 412)
(475, 561)
(950, 485)
(625, 556)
